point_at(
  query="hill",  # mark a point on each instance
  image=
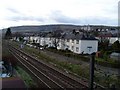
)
(45, 28)
(48, 28)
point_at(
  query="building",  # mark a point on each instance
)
(34, 39)
(113, 39)
(79, 44)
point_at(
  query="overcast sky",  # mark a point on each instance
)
(41, 12)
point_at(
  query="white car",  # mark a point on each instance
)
(41, 48)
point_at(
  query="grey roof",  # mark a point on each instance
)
(79, 37)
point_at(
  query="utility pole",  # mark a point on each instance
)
(118, 20)
(118, 33)
(92, 61)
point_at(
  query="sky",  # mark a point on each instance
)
(42, 12)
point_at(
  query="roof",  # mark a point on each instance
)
(13, 82)
(79, 37)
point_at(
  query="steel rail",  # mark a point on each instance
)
(53, 82)
(63, 76)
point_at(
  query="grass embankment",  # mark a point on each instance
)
(100, 61)
(26, 77)
(82, 71)
(108, 63)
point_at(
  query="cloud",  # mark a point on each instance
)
(25, 18)
(12, 10)
(59, 17)
(19, 12)
(19, 16)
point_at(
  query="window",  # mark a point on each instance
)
(89, 48)
(77, 41)
(67, 47)
(67, 40)
(72, 41)
(77, 49)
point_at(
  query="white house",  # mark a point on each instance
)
(34, 39)
(78, 44)
(42, 40)
(109, 38)
(113, 39)
(26, 38)
(87, 46)
(46, 41)
(75, 43)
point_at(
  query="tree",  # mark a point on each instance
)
(21, 39)
(116, 46)
(73, 31)
(56, 38)
(103, 45)
(8, 34)
(56, 42)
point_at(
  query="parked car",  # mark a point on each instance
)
(29, 45)
(41, 48)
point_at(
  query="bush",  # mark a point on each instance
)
(52, 48)
(108, 64)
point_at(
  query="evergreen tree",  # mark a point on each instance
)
(8, 34)
(73, 31)
(116, 46)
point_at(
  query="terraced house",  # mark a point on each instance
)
(79, 43)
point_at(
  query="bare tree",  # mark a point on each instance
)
(56, 38)
(56, 42)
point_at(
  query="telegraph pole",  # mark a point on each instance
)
(92, 61)
(118, 19)
(118, 40)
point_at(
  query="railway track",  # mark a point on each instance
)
(49, 76)
(44, 80)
